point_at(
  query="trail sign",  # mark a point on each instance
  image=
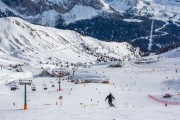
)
(60, 97)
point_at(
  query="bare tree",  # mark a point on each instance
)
(74, 70)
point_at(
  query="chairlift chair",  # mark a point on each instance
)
(53, 85)
(13, 87)
(33, 88)
(45, 87)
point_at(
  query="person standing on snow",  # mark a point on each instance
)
(110, 99)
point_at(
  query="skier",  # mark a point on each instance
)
(110, 99)
(14, 104)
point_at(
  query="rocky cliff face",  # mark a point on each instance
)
(159, 9)
(34, 7)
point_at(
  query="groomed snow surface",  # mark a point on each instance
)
(130, 86)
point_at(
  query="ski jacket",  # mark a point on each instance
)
(110, 98)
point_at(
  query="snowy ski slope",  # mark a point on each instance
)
(130, 86)
(23, 42)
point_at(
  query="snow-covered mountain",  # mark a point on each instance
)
(110, 20)
(74, 10)
(139, 88)
(159, 9)
(26, 42)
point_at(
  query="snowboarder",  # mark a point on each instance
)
(110, 99)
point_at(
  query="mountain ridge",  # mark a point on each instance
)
(85, 16)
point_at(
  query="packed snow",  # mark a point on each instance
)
(130, 86)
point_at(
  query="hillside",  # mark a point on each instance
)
(26, 42)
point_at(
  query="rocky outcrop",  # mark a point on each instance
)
(28, 7)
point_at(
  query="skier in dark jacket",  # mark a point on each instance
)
(110, 99)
